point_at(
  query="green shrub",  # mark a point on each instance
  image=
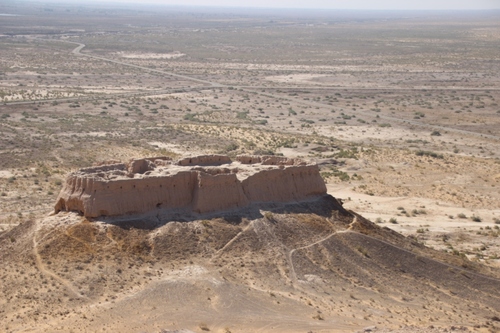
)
(419, 211)
(190, 117)
(475, 218)
(269, 216)
(348, 153)
(363, 251)
(428, 154)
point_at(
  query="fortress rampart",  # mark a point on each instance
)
(198, 184)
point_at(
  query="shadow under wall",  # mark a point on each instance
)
(326, 206)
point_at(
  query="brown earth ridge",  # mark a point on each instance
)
(199, 184)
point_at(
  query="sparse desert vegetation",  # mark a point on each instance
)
(401, 112)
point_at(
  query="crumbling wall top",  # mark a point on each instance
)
(204, 160)
(142, 165)
(268, 160)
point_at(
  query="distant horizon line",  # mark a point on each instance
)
(257, 7)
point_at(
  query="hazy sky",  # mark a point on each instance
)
(335, 4)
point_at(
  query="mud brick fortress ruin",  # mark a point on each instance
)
(199, 184)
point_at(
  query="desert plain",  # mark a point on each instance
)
(399, 110)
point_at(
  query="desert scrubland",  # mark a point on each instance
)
(399, 109)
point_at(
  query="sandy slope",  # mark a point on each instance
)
(296, 268)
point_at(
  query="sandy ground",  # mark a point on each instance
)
(440, 219)
(150, 55)
(264, 273)
(365, 120)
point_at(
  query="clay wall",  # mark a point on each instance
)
(282, 185)
(96, 198)
(249, 159)
(219, 192)
(111, 190)
(143, 165)
(205, 160)
(268, 160)
(104, 168)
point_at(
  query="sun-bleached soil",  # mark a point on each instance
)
(292, 268)
(401, 112)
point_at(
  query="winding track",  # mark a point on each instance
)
(289, 255)
(41, 267)
(78, 49)
(349, 230)
(293, 275)
(232, 240)
(254, 89)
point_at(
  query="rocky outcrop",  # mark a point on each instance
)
(198, 184)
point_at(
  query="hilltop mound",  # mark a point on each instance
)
(297, 267)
